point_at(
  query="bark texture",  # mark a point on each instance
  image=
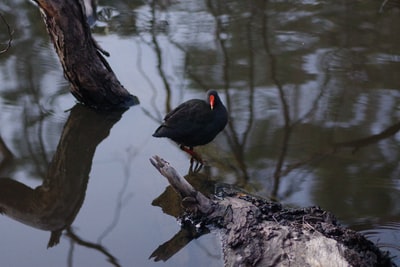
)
(257, 232)
(92, 80)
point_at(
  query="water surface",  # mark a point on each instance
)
(312, 89)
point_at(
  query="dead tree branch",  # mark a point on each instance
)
(257, 232)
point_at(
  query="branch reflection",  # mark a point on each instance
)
(358, 143)
(54, 204)
(256, 65)
(78, 240)
(170, 203)
(10, 34)
(6, 155)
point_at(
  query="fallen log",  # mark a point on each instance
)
(257, 232)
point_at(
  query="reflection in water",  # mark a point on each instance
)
(171, 204)
(9, 32)
(373, 139)
(307, 84)
(95, 246)
(315, 75)
(389, 4)
(6, 155)
(54, 205)
(157, 50)
(187, 233)
(387, 236)
(236, 143)
(285, 108)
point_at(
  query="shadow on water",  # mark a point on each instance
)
(54, 204)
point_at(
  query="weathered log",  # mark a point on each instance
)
(92, 80)
(257, 232)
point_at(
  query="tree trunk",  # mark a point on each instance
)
(256, 232)
(92, 80)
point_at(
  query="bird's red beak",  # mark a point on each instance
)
(212, 99)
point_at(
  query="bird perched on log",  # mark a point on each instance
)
(194, 123)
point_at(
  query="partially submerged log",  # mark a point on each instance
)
(92, 80)
(256, 232)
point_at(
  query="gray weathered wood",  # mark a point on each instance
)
(256, 232)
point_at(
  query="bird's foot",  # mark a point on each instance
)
(196, 162)
(195, 165)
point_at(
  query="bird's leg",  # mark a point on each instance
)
(191, 152)
(188, 150)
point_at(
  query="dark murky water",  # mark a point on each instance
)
(312, 87)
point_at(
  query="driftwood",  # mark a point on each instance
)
(257, 232)
(92, 80)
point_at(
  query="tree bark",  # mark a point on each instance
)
(257, 232)
(92, 80)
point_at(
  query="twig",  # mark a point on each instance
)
(10, 34)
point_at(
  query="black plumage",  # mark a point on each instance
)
(195, 122)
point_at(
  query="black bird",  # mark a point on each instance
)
(194, 123)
